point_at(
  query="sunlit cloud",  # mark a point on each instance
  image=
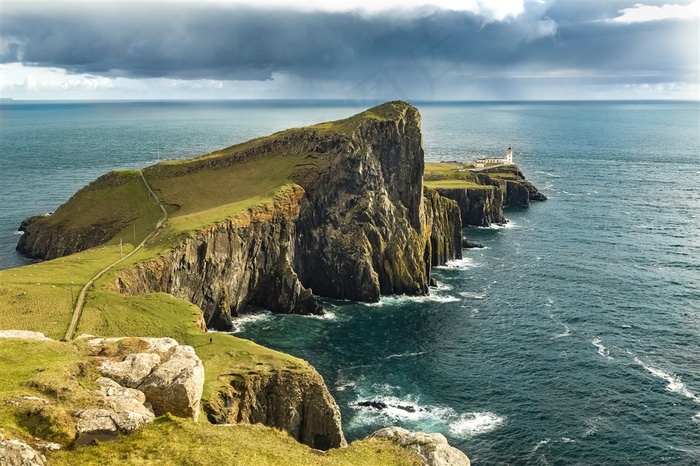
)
(641, 13)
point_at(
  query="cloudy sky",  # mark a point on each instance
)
(366, 49)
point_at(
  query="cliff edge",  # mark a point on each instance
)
(338, 210)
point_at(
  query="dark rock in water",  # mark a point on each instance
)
(466, 244)
(407, 408)
(380, 405)
(373, 404)
(433, 282)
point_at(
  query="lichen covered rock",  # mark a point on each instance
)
(432, 449)
(16, 453)
(297, 402)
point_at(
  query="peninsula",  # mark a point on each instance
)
(345, 209)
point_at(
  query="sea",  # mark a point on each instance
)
(571, 338)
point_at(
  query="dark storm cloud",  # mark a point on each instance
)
(222, 42)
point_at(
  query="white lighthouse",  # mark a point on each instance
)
(509, 155)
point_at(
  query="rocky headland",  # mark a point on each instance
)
(352, 221)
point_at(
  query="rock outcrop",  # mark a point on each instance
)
(123, 412)
(16, 453)
(505, 186)
(171, 376)
(297, 402)
(432, 449)
(24, 335)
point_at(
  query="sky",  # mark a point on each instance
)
(362, 50)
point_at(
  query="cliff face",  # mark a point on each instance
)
(245, 260)
(444, 217)
(364, 232)
(356, 228)
(505, 186)
(298, 403)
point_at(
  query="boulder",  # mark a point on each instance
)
(132, 371)
(432, 449)
(176, 386)
(16, 453)
(24, 335)
(125, 412)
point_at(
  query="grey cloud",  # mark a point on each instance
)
(219, 42)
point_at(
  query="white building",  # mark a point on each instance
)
(481, 163)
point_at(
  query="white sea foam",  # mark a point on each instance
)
(675, 384)
(500, 226)
(551, 175)
(405, 355)
(472, 294)
(440, 286)
(435, 297)
(602, 350)
(471, 424)
(327, 315)
(565, 333)
(539, 444)
(410, 413)
(17, 232)
(240, 322)
(460, 264)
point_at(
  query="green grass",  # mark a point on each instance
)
(454, 184)
(29, 368)
(37, 297)
(189, 443)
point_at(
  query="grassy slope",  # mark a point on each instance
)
(208, 445)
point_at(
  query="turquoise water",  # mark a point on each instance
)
(572, 338)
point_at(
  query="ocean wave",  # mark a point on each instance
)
(675, 384)
(539, 444)
(428, 418)
(405, 355)
(240, 322)
(551, 175)
(17, 232)
(440, 286)
(565, 333)
(471, 424)
(327, 315)
(459, 264)
(500, 226)
(602, 350)
(402, 299)
(472, 294)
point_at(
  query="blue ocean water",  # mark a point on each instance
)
(572, 338)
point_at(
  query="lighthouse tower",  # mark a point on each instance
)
(509, 155)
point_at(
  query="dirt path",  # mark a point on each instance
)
(83, 293)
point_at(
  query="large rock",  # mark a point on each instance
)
(432, 449)
(24, 335)
(133, 370)
(176, 386)
(124, 412)
(170, 376)
(16, 453)
(297, 402)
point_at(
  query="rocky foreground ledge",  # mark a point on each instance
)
(117, 386)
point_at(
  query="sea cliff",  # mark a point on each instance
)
(351, 222)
